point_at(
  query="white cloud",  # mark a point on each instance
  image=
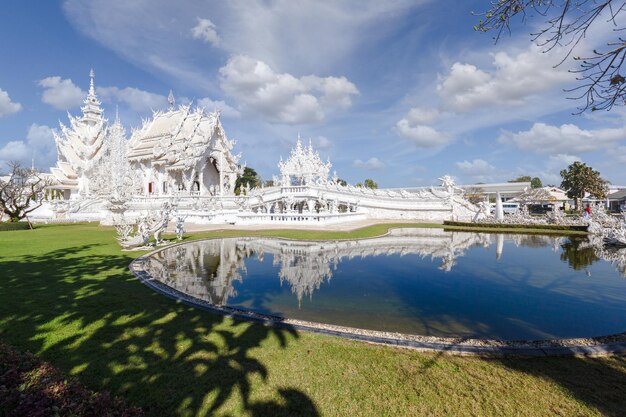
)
(206, 31)
(512, 81)
(373, 164)
(14, 150)
(282, 97)
(477, 167)
(553, 166)
(38, 145)
(304, 37)
(225, 109)
(336, 91)
(6, 105)
(567, 138)
(422, 116)
(136, 99)
(562, 160)
(60, 93)
(422, 135)
(322, 142)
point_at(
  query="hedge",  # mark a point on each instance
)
(30, 387)
(517, 226)
(7, 226)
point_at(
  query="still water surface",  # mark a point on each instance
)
(422, 281)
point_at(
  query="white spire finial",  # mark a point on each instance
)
(92, 90)
(117, 114)
(171, 101)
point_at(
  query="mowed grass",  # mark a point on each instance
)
(66, 295)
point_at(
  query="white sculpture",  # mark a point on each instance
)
(152, 224)
(180, 227)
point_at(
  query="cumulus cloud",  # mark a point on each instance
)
(549, 174)
(225, 109)
(6, 105)
(563, 139)
(510, 83)
(322, 142)
(38, 145)
(422, 135)
(60, 93)
(372, 164)
(136, 99)
(474, 168)
(422, 116)
(281, 97)
(206, 31)
(562, 160)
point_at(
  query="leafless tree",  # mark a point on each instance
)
(568, 22)
(21, 192)
(475, 194)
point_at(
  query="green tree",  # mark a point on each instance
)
(567, 22)
(523, 178)
(370, 183)
(249, 177)
(536, 182)
(579, 179)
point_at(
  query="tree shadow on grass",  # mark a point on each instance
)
(87, 314)
(597, 382)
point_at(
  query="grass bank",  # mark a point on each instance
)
(67, 296)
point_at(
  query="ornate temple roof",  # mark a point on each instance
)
(304, 166)
(180, 138)
(81, 144)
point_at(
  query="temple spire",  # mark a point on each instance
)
(171, 101)
(92, 90)
(117, 114)
(92, 113)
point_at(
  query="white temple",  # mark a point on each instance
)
(182, 156)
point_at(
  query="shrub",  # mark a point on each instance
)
(6, 226)
(30, 387)
(581, 228)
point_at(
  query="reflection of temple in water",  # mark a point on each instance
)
(207, 270)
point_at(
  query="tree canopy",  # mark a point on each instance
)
(535, 182)
(249, 177)
(567, 22)
(370, 183)
(579, 179)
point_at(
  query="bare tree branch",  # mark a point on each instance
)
(568, 23)
(21, 192)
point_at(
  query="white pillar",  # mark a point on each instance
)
(499, 210)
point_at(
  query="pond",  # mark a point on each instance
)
(425, 282)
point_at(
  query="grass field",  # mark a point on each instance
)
(66, 295)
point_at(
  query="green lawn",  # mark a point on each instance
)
(66, 295)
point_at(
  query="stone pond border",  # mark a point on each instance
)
(589, 347)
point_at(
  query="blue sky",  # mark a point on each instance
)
(402, 92)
